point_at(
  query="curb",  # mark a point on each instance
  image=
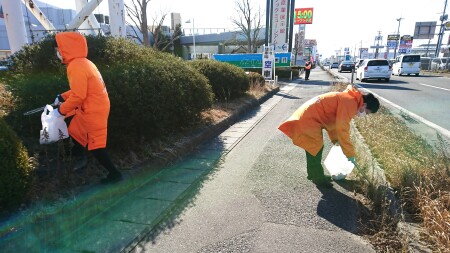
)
(203, 134)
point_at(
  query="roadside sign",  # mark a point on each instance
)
(267, 62)
(425, 30)
(447, 26)
(252, 61)
(303, 16)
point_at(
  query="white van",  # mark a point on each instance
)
(406, 64)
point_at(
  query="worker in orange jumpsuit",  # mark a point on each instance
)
(87, 100)
(333, 112)
(307, 69)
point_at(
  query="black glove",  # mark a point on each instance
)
(58, 100)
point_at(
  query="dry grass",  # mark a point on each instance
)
(433, 200)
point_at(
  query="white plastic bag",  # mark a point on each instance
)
(337, 164)
(53, 128)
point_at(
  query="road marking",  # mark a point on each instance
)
(434, 86)
(440, 129)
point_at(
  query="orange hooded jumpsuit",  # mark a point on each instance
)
(87, 98)
(333, 112)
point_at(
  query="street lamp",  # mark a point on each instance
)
(193, 35)
(398, 34)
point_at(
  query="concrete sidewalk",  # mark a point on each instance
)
(258, 198)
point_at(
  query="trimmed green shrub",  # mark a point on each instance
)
(154, 97)
(14, 170)
(152, 94)
(35, 58)
(227, 81)
(286, 73)
(33, 91)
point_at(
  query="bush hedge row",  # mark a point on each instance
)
(14, 170)
(227, 81)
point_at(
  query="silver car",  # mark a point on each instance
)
(439, 64)
(374, 69)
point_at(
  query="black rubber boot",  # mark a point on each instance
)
(114, 175)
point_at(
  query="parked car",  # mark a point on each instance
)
(406, 64)
(439, 64)
(334, 65)
(358, 63)
(346, 66)
(374, 69)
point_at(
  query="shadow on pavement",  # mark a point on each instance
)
(285, 95)
(316, 82)
(339, 209)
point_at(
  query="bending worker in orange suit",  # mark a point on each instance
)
(87, 100)
(333, 112)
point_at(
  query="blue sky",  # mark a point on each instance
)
(337, 24)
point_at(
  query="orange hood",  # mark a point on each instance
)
(71, 45)
(352, 91)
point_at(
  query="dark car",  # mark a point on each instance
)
(346, 66)
(334, 65)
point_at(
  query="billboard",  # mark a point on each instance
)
(425, 30)
(392, 41)
(249, 61)
(303, 16)
(405, 44)
(364, 53)
(279, 24)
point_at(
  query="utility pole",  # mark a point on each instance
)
(398, 34)
(377, 47)
(443, 18)
(360, 51)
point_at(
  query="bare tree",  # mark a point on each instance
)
(138, 15)
(137, 12)
(249, 23)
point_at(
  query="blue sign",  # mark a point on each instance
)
(391, 44)
(253, 60)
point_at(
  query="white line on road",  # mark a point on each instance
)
(440, 129)
(434, 86)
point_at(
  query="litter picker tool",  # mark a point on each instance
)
(361, 172)
(40, 109)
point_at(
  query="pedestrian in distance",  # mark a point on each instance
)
(87, 102)
(332, 111)
(307, 69)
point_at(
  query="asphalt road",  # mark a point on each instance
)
(258, 198)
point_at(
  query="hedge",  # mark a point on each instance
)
(15, 169)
